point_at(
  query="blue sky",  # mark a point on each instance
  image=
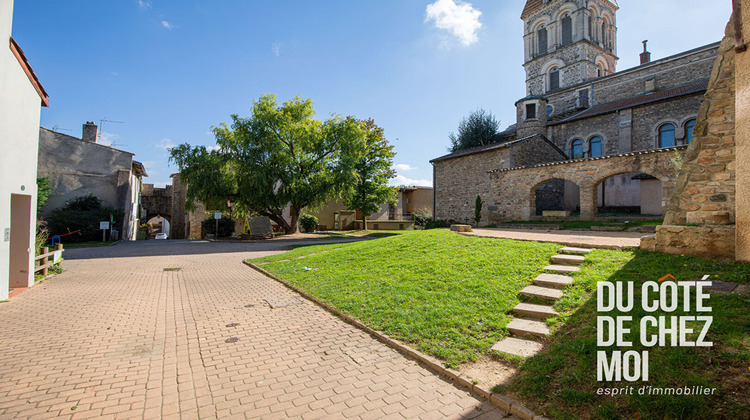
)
(170, 70)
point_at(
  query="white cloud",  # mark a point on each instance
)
(165, 144)
(402, 180)
(276, 48)
(214, 147)
(167, 25)
(107, 139)
(457, 17)
(404, 167)
(144, 4)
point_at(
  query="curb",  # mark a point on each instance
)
(510, 405)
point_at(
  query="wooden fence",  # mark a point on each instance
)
(44, 261)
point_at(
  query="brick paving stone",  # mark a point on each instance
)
(117, 336)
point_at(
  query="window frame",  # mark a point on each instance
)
(689, 130)
(660, 133)
(573, 144)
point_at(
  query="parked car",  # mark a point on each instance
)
(161, 236)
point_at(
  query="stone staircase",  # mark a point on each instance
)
(529, 324)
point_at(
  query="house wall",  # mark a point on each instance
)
(20, 109)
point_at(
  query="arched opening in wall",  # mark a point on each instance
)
(556, 195)
(629, 194)
(159, 224)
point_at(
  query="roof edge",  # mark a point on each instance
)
(24, 62)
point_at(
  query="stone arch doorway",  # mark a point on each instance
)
(629, 193)
(556, 194)
(160, 223)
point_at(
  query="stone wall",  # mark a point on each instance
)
(673, 71)
(512, 194)
(459, 180)
(742, 118)
(700, 241)
(705, 190)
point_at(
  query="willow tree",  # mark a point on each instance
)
(278, 157)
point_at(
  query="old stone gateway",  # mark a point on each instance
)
(580, 185)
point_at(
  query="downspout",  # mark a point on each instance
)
(434, 192)
(619, 147)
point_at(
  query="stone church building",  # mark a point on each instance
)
(588, 139)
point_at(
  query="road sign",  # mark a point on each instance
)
(104, 225)
(217, 216)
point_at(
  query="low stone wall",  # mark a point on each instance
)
(701, 241)
(386, 224)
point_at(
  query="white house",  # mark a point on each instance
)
(21, 96)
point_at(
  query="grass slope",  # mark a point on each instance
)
(561, 381)
(447, 294)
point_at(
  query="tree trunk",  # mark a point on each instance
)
(279, 221)
(364, 221)
(294, 212)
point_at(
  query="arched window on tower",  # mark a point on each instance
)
(591, 28)
(666, 135)
(542, 37)
(689, 126)
(576, 149)
(595, 147)
(554, 78)
(567, 30)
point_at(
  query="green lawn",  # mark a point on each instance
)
(448, 295)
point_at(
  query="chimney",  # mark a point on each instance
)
(645, 55)
(89, 132)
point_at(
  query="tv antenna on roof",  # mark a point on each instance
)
(101, 130)
(57, 128)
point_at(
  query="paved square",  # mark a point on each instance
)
(117, 336)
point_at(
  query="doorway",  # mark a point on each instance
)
(21, 248)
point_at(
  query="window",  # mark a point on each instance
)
(591, 27)
(542, 37)
(576, 149)
(567, 30)
(689, 126)
(604, 34)
(554, 78)
(595, 146)
(666, 135)
(550, 110)
(530, 111)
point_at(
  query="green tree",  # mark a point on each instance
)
(277, 157)
(478, 210)
(480, 128)
(43, 191)
(369, 162)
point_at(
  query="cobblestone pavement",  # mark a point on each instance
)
(566, 237)
(118, 336)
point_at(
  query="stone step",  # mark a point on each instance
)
(518, 347)
(565, 259)
(557, 268)
(573, 251)
(530, 310)
(555, 281)
(528, 328)
(541, 292)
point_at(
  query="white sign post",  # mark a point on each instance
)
(104, 226)
(217, 216)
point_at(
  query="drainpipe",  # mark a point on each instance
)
(434, 193)
(619, 147)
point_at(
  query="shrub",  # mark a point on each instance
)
(422, 216)
(226, 227)
(478, 210)
(436, 224)
(308, 222)
(83, 214)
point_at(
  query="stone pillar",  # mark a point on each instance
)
(742, 115)
(588, 202)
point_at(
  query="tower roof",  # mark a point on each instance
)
(532, 6)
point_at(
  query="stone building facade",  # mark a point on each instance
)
(77, 167)
(586, 110)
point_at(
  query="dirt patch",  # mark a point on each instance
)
(489, 372)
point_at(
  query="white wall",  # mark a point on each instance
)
(20, 108)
